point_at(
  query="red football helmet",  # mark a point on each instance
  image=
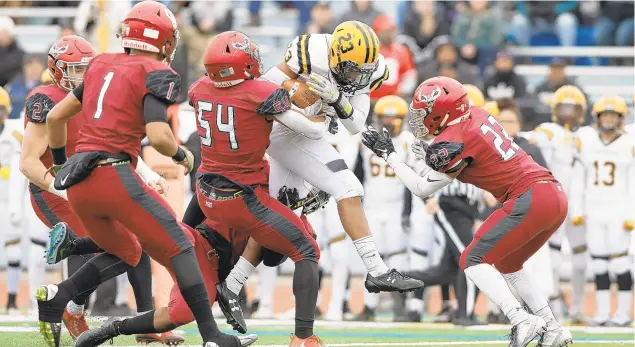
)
(68, 58)
(232, 57)
(150, 26)
(437, 103)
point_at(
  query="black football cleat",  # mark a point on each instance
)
(368, 315)
(224, 340)
(49, 314)
(391, 281)
(95, 337)
(61, 240)
(230, 305)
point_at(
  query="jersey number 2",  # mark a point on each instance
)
(203, 123)
(500, 138)
(102, 93)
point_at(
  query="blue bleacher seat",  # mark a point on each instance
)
(586, 38)
(543, 39)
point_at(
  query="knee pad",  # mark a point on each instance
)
(619, 265)
(353, 187)
(272, 258)
(578, 260)
(602, 281)
(13, 253)
(599, 265)
(625, 281)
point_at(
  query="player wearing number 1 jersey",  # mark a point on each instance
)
(471, 146)
(123, 98)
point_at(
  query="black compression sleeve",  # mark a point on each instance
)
(79, 92)
(154, 109)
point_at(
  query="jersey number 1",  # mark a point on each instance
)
(203, 123)
(499, 140)
(102, 93)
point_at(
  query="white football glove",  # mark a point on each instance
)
(419, 149)
(323, 87)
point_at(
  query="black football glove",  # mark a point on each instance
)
(380, 143)
(290, 198)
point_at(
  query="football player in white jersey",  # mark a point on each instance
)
(342, 69)
(385, 196)
(603, 199)
(16, 216)
(555, 140)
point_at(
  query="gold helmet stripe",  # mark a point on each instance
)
(359, 27)
(374, 41)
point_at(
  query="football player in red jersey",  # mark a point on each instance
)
(216, 253)
(235, 113)
(67, 60)
(471, 146)
(123, 98)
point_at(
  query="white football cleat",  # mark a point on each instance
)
(555, 336)
(526, 331)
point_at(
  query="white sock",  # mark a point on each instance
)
(578, 281)
(414, 304)
(624, 299)
(490, 282)
(13, 278)
(73, 308)
(267, 277)
(535, 300)
(339, 275)
(602, 305)
(239, 274)
(367, 250)
(122, 290)
(37, 269)
(371, 300)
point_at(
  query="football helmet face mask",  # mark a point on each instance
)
(150, 26)
(390, 112)
(568, 107)
(353, 55)
(68, 59)
(232, 57)
(608, 112)
(437, 103)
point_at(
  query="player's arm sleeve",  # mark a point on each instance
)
(357, 120)
(165, 85)
(541, 137)
(154, 109)
(146, 172)
(423, 185)
(37, 107)
(79, 92)
(275, 76)
(278, 105)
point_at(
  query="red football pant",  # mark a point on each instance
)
(123, 215)
(269, 222)
(516, 231)
(178, 310)
(52, 209)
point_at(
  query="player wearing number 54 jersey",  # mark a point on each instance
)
(471, 146)
(602, 194)
(123, 98)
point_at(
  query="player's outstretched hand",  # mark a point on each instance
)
(160, 186)
(419, 149)
(188, 162)
(380, 143)
(323, 87)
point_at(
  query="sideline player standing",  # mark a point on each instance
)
(602, 195)
(124, 98)
(470, 145)
(555, 140)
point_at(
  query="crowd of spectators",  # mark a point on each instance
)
(466, 40)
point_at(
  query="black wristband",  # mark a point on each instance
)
(59, 155)
(179, 156)
(339, 108)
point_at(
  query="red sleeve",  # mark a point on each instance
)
(446, 152)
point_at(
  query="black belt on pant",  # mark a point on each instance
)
(214, 193)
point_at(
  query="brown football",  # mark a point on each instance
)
(300, 94)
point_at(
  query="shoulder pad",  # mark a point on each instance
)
(440, 154)
(379, 79)
(164, 84)
(278, 102)
(297, 55)
(37, 107)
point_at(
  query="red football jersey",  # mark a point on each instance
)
(400, 63)
(233, 129)
(37, 106)
(112, 104)
(494, 162)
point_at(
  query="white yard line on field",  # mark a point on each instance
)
(430, 344)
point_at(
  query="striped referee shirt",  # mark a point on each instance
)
(460, 189)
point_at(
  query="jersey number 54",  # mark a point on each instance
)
(203, 122)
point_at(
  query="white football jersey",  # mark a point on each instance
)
(558, 148)
(10, 146)
(381, 185)
(604, 175)
(346, 144)
(308, 54)
(630, 129)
